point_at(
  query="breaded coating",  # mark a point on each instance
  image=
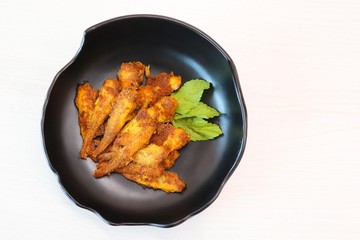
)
(156, 87)
(170, 137)
(131, 74)
(105, 156)
(137, 133)
(167, 181)
(145, 97)
(163, 131)
(177, 138)
(124, 105)
(147, 165)
(136, 136)
(102, 109)
(126, 126)
(170, 160)
(164, 109)
(146, 171)
(147, 161)
(152, 154)
(164, 83)
(85, 102)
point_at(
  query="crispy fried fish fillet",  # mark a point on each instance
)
(132, 148)
(146, 161)
(131, 74)
(103, 107)
(135, 137)
(164, 83)
(156, 87)
(149, 160)
(167, 181)
(85, 102)
(124, 105)
(137, 133)
(172, 139)
(170, 160)
(147, 167)
(162, 111)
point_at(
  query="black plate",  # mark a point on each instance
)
(167, 45)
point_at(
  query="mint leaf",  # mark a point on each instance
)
(198, 128)
(199, 110)
(184, 105)
(191, 90)
(191, 113)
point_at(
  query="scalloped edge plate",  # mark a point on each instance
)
(166, 44)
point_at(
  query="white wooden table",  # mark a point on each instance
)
(299, 68)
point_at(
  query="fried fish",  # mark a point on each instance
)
(137, 133)
(85, 102)
(125, 126)
(147, 166)
(102, 109)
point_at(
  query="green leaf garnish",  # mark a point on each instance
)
(191, 112)
(198, 128)
(190, 94)
(199, 110)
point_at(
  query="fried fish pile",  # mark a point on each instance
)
(125, 126)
